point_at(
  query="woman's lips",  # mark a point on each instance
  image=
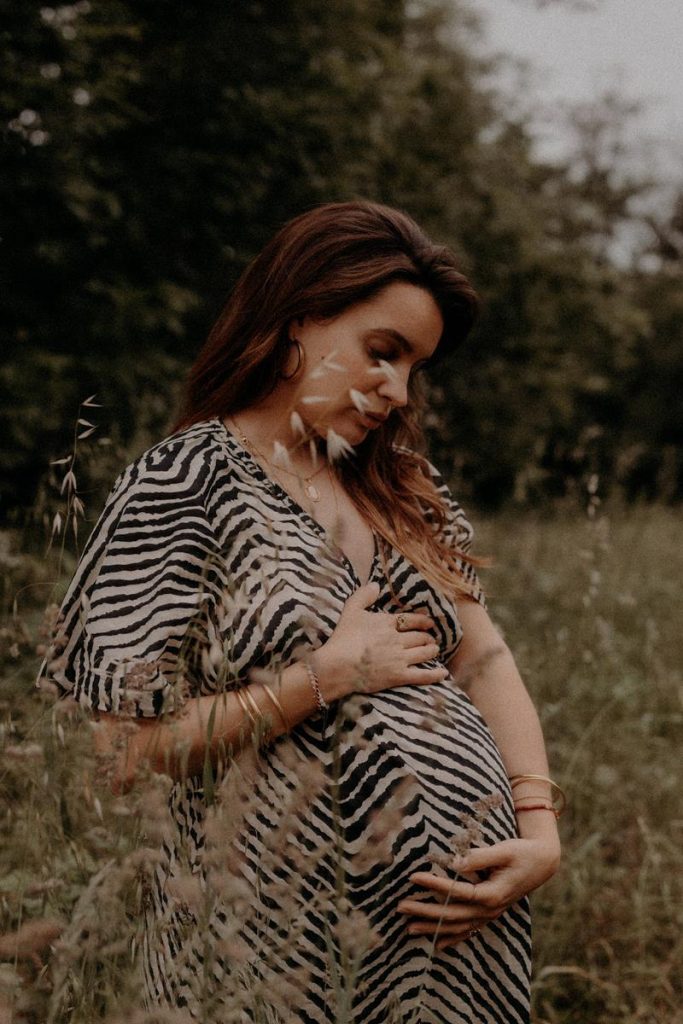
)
(371, 422)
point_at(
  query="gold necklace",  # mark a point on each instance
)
(305, 482)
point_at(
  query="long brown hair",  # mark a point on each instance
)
(319, 265)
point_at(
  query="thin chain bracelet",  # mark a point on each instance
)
(315, 684)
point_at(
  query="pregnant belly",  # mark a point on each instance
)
(423, 759)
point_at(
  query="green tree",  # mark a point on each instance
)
(151, 148)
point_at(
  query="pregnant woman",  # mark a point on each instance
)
(284, 583)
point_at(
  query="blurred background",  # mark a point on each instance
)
(149, 148)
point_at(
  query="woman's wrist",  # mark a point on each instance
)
(329, 673)
(538, 824)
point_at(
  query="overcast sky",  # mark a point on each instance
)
(578, 53)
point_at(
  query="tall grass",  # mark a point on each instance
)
(588, 605)
(590, 608)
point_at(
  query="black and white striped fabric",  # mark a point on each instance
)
(200, 569)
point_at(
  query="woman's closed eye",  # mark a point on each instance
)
(377, 354)
(391, 357)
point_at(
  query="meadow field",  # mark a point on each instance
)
(588, 604)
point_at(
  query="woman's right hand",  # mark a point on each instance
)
(366, 653)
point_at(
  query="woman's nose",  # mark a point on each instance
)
(395, 390)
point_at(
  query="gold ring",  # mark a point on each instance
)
(401, 622)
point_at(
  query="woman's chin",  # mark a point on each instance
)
(351, 429)
(353, 433)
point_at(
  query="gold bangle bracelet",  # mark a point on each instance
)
(249, 696)
(278, 706)
(245, 708)
(252, 703)
(533, 796)
(263, 732)
(516, 779)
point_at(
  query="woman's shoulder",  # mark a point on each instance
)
(204, 439)
(191, 457)
(457, 522)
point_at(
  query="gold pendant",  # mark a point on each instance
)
(312, 491)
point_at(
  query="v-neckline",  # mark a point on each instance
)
(281, 492)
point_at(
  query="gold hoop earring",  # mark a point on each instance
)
(300, 360)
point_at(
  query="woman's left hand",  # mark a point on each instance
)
(515, 867)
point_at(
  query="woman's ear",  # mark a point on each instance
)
(294, 327)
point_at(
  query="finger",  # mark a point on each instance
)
(428, 911)
(364, 596)
(416, 638)
(455, 891)
(462, 928)
(412, 620)
(416, 655)
(435, 929)
(481, 858)
(485, 898)
(435, 913)
(424, 676)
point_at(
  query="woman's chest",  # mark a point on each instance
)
(287, 578)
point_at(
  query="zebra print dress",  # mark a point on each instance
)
(273, 898)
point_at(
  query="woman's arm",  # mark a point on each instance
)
(484, 667)
(362, 652)
(179, 743)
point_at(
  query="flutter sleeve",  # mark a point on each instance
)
(144, 596)
(458, 533)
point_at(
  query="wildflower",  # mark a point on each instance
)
(281, 456)
(186, 890)
(69, 482)
(487, 804)
(297, 424)
(386, 370)
(326, 365)
(25, 752)
(470, 833)
(337, 446)
(361, 402)
(29, 941)
(356, 932)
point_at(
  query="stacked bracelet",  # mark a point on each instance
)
(315, 685)
(535, 807)
(277, 705)
(557, 808)
(251, 709)
(245, 707)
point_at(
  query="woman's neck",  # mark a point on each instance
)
(265, 424)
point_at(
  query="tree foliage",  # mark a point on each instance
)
(150, 148)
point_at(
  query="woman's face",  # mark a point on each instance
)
(357, 366)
